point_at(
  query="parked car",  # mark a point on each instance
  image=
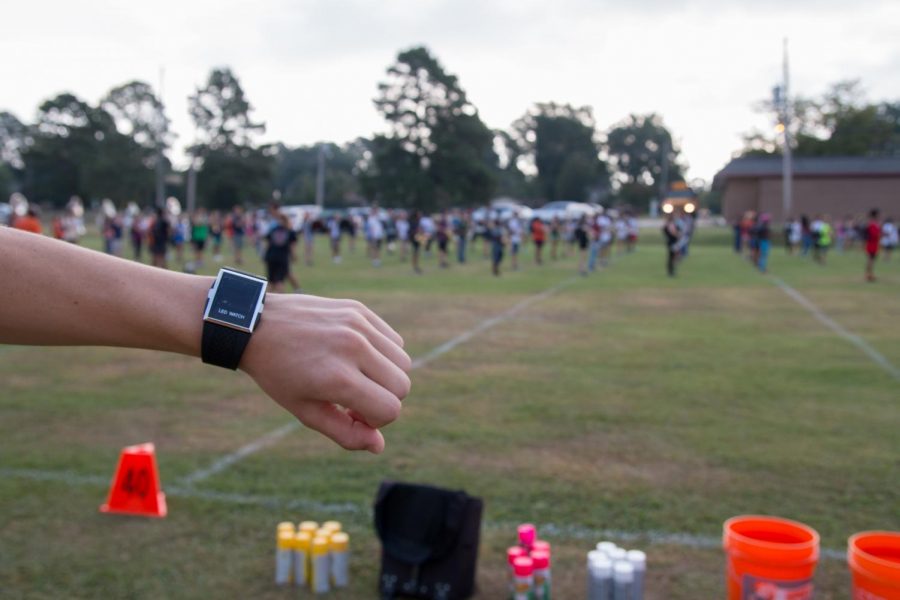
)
(564, 210)
(503, 210)
(299, 213)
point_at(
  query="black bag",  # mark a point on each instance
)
(429, 539)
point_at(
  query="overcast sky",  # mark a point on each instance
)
(310, 67)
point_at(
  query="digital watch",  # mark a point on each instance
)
(234, 307)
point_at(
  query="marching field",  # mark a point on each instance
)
(624, 405)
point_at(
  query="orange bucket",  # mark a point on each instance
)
(874, 558)
(770, 557)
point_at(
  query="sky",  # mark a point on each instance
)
(310, 67)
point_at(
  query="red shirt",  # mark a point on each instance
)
(537, 230)
(28, 223)
(873, 238)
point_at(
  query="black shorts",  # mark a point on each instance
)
(442, 245)
(199, 245)
(277, 270)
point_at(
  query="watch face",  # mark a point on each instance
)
(236, 300)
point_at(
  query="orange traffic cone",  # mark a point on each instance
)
(135, 488)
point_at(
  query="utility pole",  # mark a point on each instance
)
(160, 168)
(320, 177)
(787, 168)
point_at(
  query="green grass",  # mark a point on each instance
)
(627, 401)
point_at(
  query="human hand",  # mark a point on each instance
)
(334, 364)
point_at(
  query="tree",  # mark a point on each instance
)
(233, 169)
(75, 149)
(438, 153)
(840, 122)
(139, 113)
(557, 142)
(221, 112)
(14, 138)
(643, 152)
(296, 171)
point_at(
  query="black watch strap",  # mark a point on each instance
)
(223, 346)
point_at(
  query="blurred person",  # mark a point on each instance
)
(889, 238)
(873, 237)
(159, 236)
(582, 236)
(538, 236)
(605, 226)
(555, 236)
(794, 235)
(442, 235)
(461, 226)
(672, 236)
(402, 225)
(57, 227)
(806, 239)
(390, 233)
(334, 235)
(822, 238)
(428, 229)
(199, 235)
(415, 238)
(137, 234)
(687, 222)
(180, 233)
(216, 231)
(375, 235)
(572, 225)
(309, 238)
(633, 231)
(299, 353)
(738, 235)
(843, 232)
(30, 221)
(593, 227)
(352, 224)
(497, 235)
(621, 229)
(515, 239)
(279, 253)
(747, 223)
(763, 235)
(238, 233)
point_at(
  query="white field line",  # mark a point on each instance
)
(839, 329)
(275, 435)
(364, 513)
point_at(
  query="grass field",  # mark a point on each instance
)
(625, 402)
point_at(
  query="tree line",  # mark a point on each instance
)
(435, 153)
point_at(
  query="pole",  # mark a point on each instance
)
(160, 168)
(320, 177)
(787, 169)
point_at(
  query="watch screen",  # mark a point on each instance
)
(235, 300)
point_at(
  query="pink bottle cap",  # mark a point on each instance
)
(514, 552)
(523, 566)
(527, 534)
(541, 545)
(540, 559)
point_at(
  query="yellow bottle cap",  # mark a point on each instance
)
(285, 526)
(332, 526)
(285, 540)
(302, 541)
(340, 542)
(319, 546)
(310, 526)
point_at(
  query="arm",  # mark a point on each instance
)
(314, 356)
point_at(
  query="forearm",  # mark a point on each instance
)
(53, 293)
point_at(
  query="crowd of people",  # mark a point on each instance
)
(817, 236)
(169, 236)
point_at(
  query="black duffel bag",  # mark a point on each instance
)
(429, 541)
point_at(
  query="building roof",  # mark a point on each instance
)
(824, 166)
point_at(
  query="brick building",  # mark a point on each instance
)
(835, 186)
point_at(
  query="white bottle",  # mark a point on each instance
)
(319, 571)
(600, 576)
(623, 580)
(284, 555)
(302, 545)
(606, 547)
(340, 559)
(638, 560)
